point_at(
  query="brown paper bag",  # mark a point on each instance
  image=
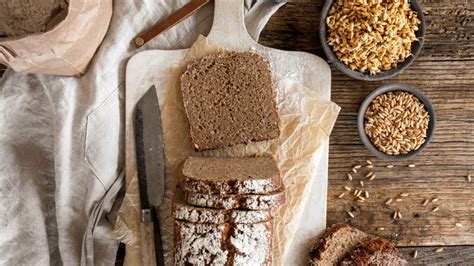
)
(67, 48)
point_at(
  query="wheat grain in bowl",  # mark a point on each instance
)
(396, 122)
(372, 35)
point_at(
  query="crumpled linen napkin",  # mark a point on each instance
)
(61, 141)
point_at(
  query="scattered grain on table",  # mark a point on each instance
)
(425, 202)
(349, 177)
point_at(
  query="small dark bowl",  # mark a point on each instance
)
(384, 89)
(415, 47)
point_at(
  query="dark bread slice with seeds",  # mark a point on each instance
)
(194, 214)
(236, 201)
(377, 251)
(336, 243)
(218, 175)
(229, 98)
(223, 244)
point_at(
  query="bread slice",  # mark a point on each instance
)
(236, 201)
(336, 243)
(229, 98)
(223, 244)
(376, 251)
(186, 212)
(250, 175)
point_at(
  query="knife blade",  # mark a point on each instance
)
(149, 150)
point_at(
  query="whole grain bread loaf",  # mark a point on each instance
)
(223, 244)
(189, 213)
(376, 251)
(236, 201)
(252, 243)
(201, 244)
(219, 175)
(229, 98)
(336, 243)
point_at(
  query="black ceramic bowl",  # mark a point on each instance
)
(384, 89)
(415, 47)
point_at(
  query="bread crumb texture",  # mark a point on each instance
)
(229, 98)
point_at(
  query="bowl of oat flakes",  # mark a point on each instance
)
(396, 121)
(372, 39)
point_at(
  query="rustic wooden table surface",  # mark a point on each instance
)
(445, 73)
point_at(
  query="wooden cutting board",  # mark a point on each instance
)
(154, 67)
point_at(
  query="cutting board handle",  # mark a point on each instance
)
(228, 27)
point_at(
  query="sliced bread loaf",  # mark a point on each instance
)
(229, 98)
(336, 243)
(186, 212)
(236, 201)
(253, 243)
(250, 175)
(223, 244)
(201, 244)
(376, 251)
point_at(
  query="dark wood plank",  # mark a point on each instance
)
(458, 255)
(445, 73)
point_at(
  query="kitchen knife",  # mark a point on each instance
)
(150, 163)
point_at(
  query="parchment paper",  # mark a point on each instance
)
(67, 48)
(306, 123)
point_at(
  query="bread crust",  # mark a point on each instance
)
(236, 201)
(318, 252)
(242, 181)
(194, 214)
(223, 244)
(376, 251)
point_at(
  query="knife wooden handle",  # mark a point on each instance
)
(147, 244)
(152, 248)
(160, 259)
(169, 22)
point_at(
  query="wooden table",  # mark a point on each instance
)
(445, 73)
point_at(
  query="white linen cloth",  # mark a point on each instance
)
(61, 141)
